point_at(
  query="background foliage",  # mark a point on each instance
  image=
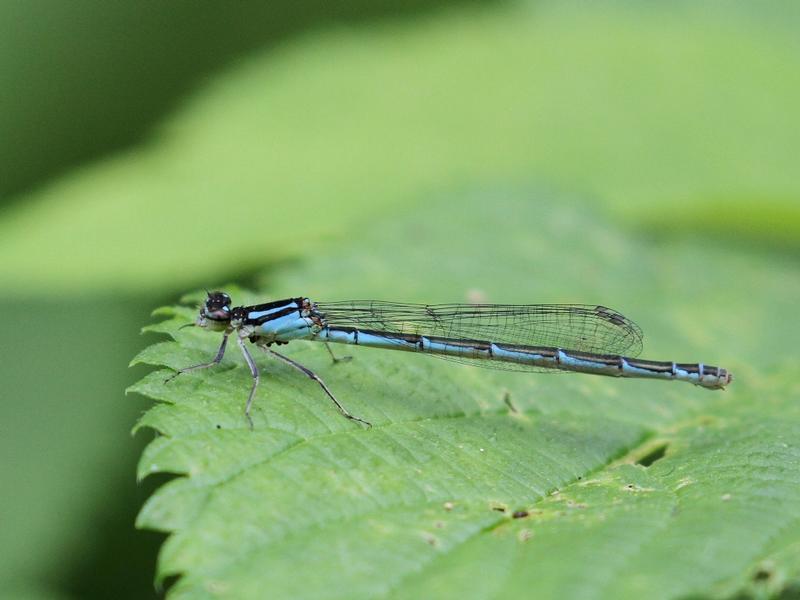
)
(666, 136)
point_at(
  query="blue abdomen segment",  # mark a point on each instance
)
(530, 357)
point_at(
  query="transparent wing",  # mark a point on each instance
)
(586, 328)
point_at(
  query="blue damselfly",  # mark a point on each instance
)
(534, 337)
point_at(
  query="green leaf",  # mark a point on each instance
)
(483, 484)
(639, 106)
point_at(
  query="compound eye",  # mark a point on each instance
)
(217, 300)
(217, 306)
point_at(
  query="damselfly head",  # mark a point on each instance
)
(216, 311)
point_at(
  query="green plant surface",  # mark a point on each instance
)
(636, 105)
(483, 484)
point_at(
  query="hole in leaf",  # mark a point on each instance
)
(654, 455)
(762, 574)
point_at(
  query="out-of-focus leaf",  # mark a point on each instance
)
(637, 104)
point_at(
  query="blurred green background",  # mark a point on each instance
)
(151, 149)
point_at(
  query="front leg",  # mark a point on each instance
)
(216, 361)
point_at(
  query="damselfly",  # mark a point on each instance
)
(533, 337)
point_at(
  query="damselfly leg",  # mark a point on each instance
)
(311, 375)
(336, 359)
(254, 372)
(216, 361)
